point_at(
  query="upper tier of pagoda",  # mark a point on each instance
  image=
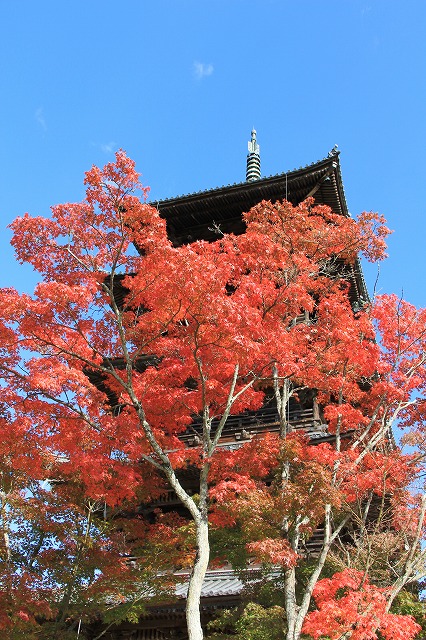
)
(193, 216)
(199, 216)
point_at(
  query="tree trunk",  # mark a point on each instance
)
(193, 613)
(291, 607)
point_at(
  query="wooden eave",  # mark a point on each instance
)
(198, 216)
(189, 217)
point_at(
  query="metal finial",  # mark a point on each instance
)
(334, 151)
(253, 159)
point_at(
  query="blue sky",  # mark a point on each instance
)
(179, 84)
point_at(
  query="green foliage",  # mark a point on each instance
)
(254, 622)
(126, 611)
(408, 604)
(229, 545)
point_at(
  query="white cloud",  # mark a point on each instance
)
(39, 117)
(202, 70)
(108, 147)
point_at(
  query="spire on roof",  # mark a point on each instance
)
(334, 151)
(253, 159)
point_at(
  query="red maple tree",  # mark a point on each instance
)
(127, 340)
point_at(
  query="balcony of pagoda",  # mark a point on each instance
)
(244, 426)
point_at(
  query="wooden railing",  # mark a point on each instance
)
(249, 423)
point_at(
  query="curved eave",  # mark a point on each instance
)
(193, 216)
(200, 216)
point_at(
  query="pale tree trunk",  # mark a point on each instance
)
(4, 524)
(193, 612)
(414, 565)
(291, 608)
(296, 613)
(201, 562)
(199, 514)
(282, 397)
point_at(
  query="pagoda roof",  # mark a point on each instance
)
(194, 216)
(217, 582)
(205, 214)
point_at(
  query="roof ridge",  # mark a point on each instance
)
(329, 158)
